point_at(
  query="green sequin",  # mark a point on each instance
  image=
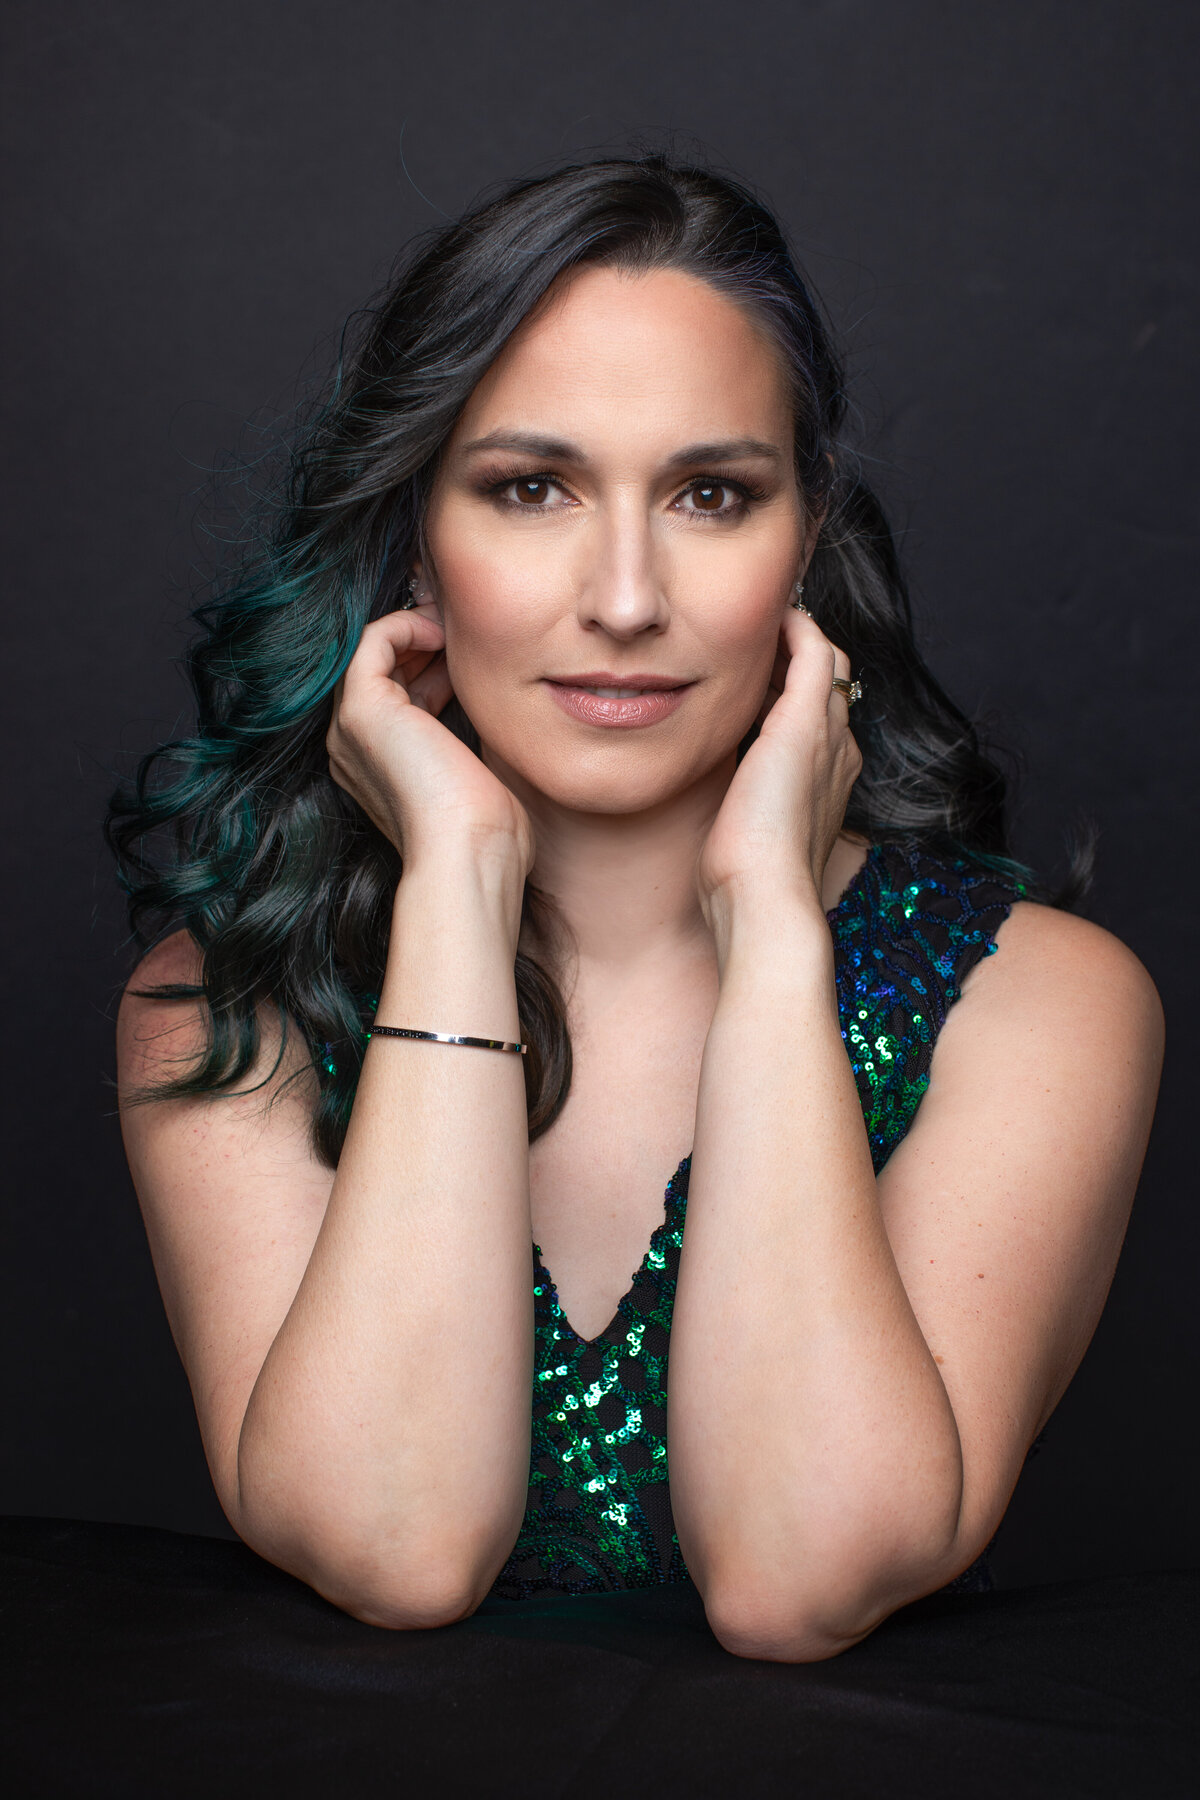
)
(906, 933)
(599, 1513)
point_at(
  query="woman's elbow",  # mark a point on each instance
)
(774, 1630)
(408, 1588)
(765, 1615)
(845, 1584)
(426, 1603)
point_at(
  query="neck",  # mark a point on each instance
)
(624, 884)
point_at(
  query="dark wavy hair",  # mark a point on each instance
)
(239, 833)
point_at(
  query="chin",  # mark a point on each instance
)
(611, 781)
(608, 799)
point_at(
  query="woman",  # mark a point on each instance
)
(574, 709)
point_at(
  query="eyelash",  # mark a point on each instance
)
(748, 493)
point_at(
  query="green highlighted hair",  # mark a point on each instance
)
(238, 832)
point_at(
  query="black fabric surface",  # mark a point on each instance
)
(140, 1662)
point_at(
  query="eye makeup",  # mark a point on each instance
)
(493, 484)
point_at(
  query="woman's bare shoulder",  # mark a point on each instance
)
(1063, 1020)
(160, 1036)
(154, 1032)
(1046, 958)
(177, 957)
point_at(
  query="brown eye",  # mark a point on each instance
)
(713, 499)
(534, 492)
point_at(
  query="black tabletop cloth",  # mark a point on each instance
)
(144, 1663)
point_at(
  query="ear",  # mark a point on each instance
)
(424, 588)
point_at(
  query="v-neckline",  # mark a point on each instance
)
(673, 1202)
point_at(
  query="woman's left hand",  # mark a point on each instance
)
(784, 808)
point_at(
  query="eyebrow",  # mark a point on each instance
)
(525, 443)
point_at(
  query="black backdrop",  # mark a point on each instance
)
(995, 202)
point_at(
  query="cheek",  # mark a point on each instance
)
(737, 596)
(741, 637)
(749, 640)
(500, 604)
(741, 641)
(493, 602)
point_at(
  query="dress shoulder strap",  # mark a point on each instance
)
(916, 923)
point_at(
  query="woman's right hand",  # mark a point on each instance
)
(422, 786)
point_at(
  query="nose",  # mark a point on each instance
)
(622, 591)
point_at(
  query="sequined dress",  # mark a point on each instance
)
(907, 931)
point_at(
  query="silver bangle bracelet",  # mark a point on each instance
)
(445, 1037)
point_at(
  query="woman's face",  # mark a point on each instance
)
(617, 508)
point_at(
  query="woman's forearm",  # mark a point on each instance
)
(384, 1451)
(815, 1461)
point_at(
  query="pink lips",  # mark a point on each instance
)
(658, 696)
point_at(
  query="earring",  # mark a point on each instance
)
(798, 602)
(411, 589)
